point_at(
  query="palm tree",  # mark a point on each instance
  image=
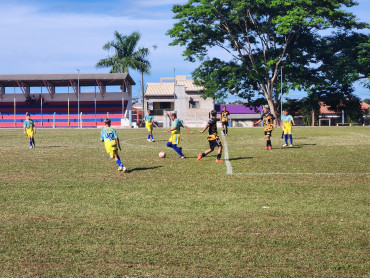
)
(126, 56)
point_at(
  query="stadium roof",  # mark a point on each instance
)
(63, 80)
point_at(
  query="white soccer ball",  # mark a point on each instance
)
(162, 154)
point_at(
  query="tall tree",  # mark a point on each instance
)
(261, 37)
(127, 55)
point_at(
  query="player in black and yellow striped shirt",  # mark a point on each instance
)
(225, 117)
(269, 122)
(213, 139)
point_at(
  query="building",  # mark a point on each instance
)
(329, 118)
(67, 96)
(178, 94)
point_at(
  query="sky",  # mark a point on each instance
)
(61, 36)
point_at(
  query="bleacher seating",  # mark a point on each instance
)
(103, 108)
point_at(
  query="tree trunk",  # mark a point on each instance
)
(142, 91)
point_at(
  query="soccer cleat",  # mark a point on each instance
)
(183, 157)
(291, 145)
(31, 147)
(153, 140)
(285, 145)
(120, 168)
(219, 160)
(124, 170)
(148, 140)
(270, 148)
(199, 157)
(266, 148)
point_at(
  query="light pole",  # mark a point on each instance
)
(78, 96)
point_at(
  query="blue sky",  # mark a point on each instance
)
(59, 36)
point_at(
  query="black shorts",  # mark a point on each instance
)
(214, 143)
(225, 123)
(268, 132)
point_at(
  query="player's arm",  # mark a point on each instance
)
(24, 130)
(34, 129)
(172, 129)
(275, 123)
(257, 122)
(204, 129)
(293, 122)
(188, 129)
(154, 124)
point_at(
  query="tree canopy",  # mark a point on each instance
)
(316, 43)
(127, 54)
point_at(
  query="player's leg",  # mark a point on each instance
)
(219, 153)
(223, 128)
(30, 140)
(268, 141)
(121, 167)
(178, 150)
(151, 134)
(33, 141)
(285, 137)
(291, 138)
(226, 127)
(201, 155)
(149, 131)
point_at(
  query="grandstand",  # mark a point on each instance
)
(56, 100)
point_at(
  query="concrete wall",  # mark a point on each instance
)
(197, 114)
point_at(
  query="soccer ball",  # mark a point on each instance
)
(162, 154)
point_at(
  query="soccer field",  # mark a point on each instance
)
(287, 212)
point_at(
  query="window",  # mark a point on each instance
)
(165, 105)
(194, 104)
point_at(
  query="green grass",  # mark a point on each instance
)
(67, 212)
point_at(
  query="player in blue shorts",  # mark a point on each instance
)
(174, 140)
(286, 123)
(109, 137)
(29, 129)
(149, 122)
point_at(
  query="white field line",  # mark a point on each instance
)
(359, 134)
(229, 169)
(314, 174)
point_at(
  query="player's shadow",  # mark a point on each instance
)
(241, 158)
(143, 169)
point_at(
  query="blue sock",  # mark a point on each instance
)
(286, 139)
(177, 150)
(169, 144)
(119, 162)
(291, 139)
(30, 143)
(148, 136)
(152, 137)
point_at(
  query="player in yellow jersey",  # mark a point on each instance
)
(29, 129)
(286, 123)
(149, 122)
(174, 140)
(109, 137)
(269, 122)
(225, 117)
